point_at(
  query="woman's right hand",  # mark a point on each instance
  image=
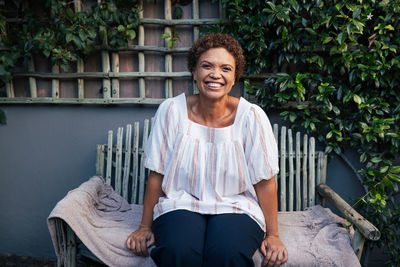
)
(140, 240)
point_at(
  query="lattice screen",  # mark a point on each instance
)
(147, 84)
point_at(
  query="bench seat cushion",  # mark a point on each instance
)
(103, 220)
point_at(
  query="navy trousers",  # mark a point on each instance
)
(185, 238)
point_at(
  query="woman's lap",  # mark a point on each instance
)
(185, 238)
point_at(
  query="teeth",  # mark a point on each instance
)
(214, 84)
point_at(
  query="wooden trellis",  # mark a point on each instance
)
(110, 73)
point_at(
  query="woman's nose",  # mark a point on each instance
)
(215, 74)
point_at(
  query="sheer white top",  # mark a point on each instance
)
(211, 170)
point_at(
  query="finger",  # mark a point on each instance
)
(128, 242)
(272, 259)
(143, 247)
(262, 248)
(279, 258)
(150, 241)
(285, 256)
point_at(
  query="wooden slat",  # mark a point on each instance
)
(10, 89)
(98, 101)
(141, 59)
(71, 248)
(118, 161)
(55, 83)
(142, 169)
(135, 162)
(196, 34)
(168, 56)
(172, 22)
(311, 177)
(276, 126)
(358, 243)
(100, 160)
(127, 161)
(325, 164)
(291, 171)
(115, 81)
(305, 173)
(298, 168)
(105, 64)
(109, 157)
(319, 156)
(282, 181)
(32, 80)
(80, 65)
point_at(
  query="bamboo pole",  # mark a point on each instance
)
(196, 34)
(291, 170)
(109, 157)
(298, 168)
(104, 75)
(282, 182)
(135, 163)
(305, 173)
(142, 168)
(105, 62)
(93, 101)
(31, 64)
(115, 81)
(55, 83)
(168, 56)
(311, 177)
(173, 22)
(142, 62)
(80, 67)
(127, 161)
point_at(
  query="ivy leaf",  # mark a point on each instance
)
(394, 177)
(327, 39)
(383, 169)
(395, 169)
(376, 160)
(356, 13)
(357, 99)
(340, 38)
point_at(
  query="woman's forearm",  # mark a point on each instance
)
(267, 197)
(153, 193)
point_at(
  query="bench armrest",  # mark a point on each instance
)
(367, 229)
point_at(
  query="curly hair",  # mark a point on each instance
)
(217, 40)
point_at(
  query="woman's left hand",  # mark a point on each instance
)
(274, 251)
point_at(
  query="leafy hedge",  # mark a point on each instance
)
(337, 69)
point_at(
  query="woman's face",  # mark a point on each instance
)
(215, 73)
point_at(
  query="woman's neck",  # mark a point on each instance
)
(213, 113)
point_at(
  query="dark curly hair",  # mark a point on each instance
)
(216, 40)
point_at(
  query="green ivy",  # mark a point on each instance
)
(337, 76)
(63, 35)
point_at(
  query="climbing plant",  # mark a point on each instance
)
(336, 72)
(62, 35)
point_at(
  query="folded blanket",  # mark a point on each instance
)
(103, 220)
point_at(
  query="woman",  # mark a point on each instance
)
(211, 195)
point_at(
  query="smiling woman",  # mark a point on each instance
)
(210, 199)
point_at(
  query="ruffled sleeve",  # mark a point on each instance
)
(162, 136)
(260, 146)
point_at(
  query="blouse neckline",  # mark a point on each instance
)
(186, 115)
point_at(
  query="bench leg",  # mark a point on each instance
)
(71, 248)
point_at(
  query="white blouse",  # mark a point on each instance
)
(211, 170)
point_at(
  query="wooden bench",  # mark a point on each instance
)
(301, 180)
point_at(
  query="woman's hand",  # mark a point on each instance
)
(140, 240)
(274, 251)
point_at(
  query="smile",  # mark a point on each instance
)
(213, 84)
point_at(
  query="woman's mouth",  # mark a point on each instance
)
(213, 85)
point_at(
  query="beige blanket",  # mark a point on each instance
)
(103, 220)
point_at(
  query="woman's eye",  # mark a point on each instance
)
(226, 69)
(205, 66)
